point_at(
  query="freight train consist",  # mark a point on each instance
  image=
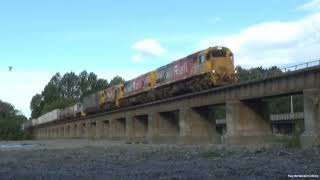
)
(198, 71)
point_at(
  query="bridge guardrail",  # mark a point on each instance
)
(279, 71)
(275, 117)
(286, 116)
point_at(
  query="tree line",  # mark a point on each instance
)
(10, 123)
(66, 90)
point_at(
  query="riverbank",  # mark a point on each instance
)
(85, 159)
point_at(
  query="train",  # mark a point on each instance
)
(208, 68)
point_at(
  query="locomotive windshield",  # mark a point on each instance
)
(219, 53)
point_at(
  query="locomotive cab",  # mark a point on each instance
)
(219, 62)
(119, 92)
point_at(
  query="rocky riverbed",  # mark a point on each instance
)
(85, 159)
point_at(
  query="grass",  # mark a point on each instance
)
(211, 155)
(292, 141)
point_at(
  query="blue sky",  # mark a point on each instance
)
(127, 38)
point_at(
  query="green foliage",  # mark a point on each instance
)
(279, 105)
(292, 141)
(116, 80)
(256, 73)
(219, 112)
(211, 155)
(66, 90)
(36, 105)
(10, 123)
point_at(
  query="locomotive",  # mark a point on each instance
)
(202, 70)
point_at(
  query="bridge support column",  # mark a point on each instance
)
(82, 130)
(246, 122)
(138, 126)
(75, 130)
(56, 132)
(92, 129)
(311, 134)
(61, 132)
(118, 128)
(40, 133)
(163, 127)
(106, 129)
(49, 132)
(197, 126)
(67, 131)
(99, 129)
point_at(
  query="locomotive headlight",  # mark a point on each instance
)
(236, 71)
(213, 71)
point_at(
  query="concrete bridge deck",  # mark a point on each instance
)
(189, 118)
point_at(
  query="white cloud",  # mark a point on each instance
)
(313, 5)
(273, 43)
(147, 48)
(216, 19)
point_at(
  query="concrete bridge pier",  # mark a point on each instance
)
(79, 130)
(51, 130)
(61, 135)
(197, 125)
(56, 132)
(67, 131)
(137, 128)
(163, 127)
(39, 133)
(311, 134)
(129, 131)
(83, 129)
(74, 130)
(105, 129)
(118, 128)
(247, 122)
(92, 129)
(99, 129)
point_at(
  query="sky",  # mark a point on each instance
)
(127, 38)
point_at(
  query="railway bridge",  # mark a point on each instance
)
(190, 118)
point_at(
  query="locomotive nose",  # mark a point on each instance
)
(226, 78)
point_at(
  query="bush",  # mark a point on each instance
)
(10, 123)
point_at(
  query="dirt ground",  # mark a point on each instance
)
(88, 159)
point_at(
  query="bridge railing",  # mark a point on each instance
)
(301, 66)
(286, 116)
(275, 117)
(275, 71)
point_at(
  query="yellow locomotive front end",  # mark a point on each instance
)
(219, 62)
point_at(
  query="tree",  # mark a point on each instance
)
(256, 73)
(10, 122)
(116, 80)
(64, 91)
(68, 86)
(36, 105)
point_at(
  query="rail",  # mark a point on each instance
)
(279, 71)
